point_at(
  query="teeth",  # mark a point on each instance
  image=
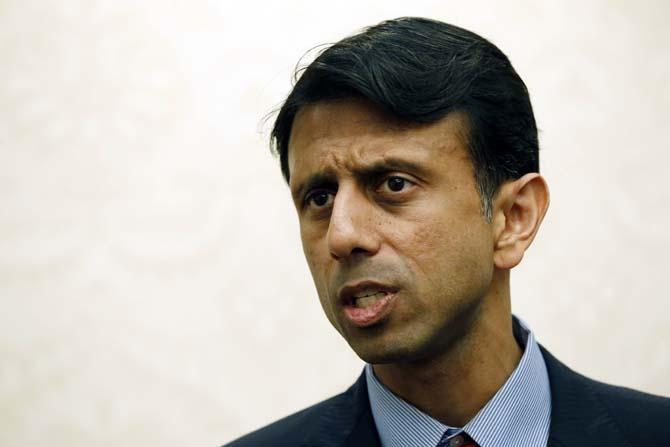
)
(366, 293)
(369, 299)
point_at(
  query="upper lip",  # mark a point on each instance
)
(347, 292)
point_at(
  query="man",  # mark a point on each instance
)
(411, 153)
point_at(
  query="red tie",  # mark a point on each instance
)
(460, 440)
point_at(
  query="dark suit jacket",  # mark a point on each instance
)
(584, 413)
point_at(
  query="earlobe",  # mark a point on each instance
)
(520, 206)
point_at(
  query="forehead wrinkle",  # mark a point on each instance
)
(340, 153)
(350, 117)
(319, 166)
(340, 146)
(359, 158)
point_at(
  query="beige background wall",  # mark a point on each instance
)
(152, 285)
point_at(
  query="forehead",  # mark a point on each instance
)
(342, 134)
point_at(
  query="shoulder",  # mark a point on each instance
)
(290, 430)
(641, 416)
(584, 406)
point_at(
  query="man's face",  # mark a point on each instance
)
(391, 227)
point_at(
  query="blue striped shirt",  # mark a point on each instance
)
(517, 415)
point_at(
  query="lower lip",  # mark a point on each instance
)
(364, 317)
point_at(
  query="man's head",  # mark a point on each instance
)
(420, 70)
(411, 154)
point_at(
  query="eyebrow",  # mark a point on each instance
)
(328, 180)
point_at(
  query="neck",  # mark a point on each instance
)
(454, 385)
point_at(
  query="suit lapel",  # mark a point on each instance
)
(365, 431)
(347, 422)
(578, 417)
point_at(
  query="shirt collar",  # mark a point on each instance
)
(518, 414)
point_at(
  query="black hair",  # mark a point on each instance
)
(420, 70)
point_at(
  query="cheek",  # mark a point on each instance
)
(428, 236)
(449, 254)
(309, 245)
(317, 268)
(317, 263)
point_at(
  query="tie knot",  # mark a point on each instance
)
(459, 440)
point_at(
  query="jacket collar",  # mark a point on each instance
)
(347, 422)
(578, 416)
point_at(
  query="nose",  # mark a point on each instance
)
(352, 228)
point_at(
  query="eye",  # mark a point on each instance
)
(319, 199)
(395, 183)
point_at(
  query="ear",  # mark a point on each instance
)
(518, 210)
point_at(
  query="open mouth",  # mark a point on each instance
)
(367, 303)
(364, 293)
(367, 299)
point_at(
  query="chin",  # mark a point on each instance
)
(381, 358)
(380, 345)
(384, 350)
